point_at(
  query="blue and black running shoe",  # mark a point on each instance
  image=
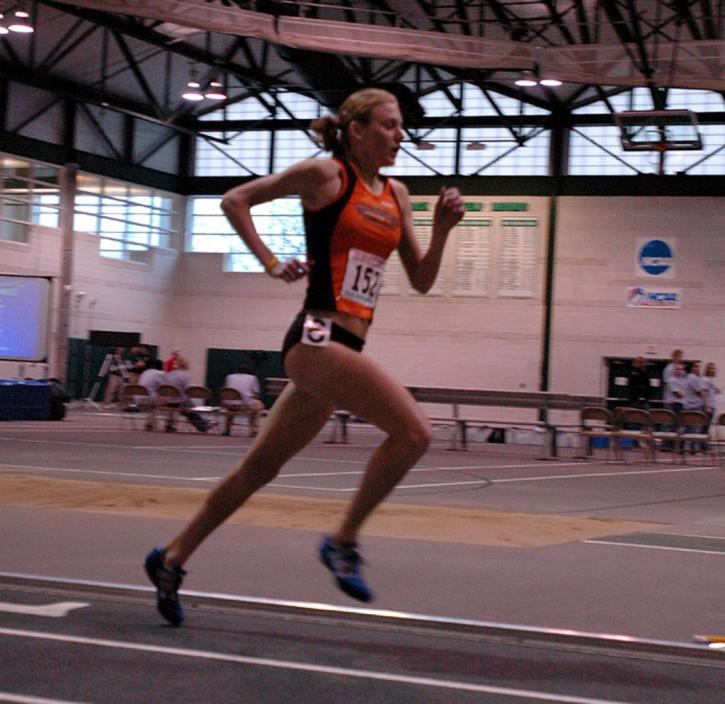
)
(167, 581)
(344, 563)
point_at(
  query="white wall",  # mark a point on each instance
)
(186, 302)
(596, 251)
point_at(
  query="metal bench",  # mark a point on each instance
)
(541, 401)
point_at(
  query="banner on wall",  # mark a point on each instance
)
(655, 257)
(639, 297)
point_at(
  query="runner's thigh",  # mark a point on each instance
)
(293, 422)
(350, 380)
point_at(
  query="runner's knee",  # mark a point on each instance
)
(258, 471)
(419, 436)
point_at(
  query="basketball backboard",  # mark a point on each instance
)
(658, 130)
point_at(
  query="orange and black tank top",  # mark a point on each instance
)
(348, 242)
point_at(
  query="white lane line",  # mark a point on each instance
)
(401, 487)
(487, 482)
(23, 699)
(532, 695)
(599, 474)
(137, 475)
(654, 547)
(191, 449)
(58, 610)
(435, 485)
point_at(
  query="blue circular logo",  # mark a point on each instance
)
(656, 257)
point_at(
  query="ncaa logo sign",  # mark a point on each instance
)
(656, 257)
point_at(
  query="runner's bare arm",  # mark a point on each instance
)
(422, 269)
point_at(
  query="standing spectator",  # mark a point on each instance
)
(639, 387)
(710, 389)
(247, 385)
(172, 362)
(116, 376)
(676, 389)
(669, 371)
(674, 392)
(694, 399)
(140, 358)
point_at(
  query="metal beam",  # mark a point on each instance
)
(100, 131)
(72, 90)
(136, 70)
(55, 55)
(582, 21)
(558, 21)
(142, 33)
(684, 15)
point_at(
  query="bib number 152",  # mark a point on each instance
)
(363, 277)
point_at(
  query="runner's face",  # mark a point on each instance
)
(382, 136)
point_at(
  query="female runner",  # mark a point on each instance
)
(354, 219)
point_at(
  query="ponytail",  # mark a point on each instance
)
(331, 130)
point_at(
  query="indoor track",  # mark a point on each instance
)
(499, 577)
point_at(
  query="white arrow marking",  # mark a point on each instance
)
(21, 699)
(58, 610)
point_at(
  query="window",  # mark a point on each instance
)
(594, 150)
(278, 222)
(233, 154)
(129, 219)
(29, 195)
(501, 155)
(413, 161)
(251, 108)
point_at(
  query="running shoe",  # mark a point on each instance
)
(167, 581)
(344, 563)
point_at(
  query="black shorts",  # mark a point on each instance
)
(337, 334)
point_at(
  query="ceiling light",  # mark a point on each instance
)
(215, 91)
(21, 21)
(551, 82)
(475, 147)
(192, 91)
(424, 146)
(3, 28)
(527, 80)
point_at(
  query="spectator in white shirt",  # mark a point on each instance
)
(247, 385)
(710, 388)
(694, 392)
(151, 378)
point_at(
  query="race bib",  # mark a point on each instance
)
(363, 277)
(316, 331)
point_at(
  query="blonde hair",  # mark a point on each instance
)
(331, 130)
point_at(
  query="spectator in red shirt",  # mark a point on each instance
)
(172, 362)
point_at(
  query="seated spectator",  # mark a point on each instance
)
(247, 385)
(180, 378)
(151, 378)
